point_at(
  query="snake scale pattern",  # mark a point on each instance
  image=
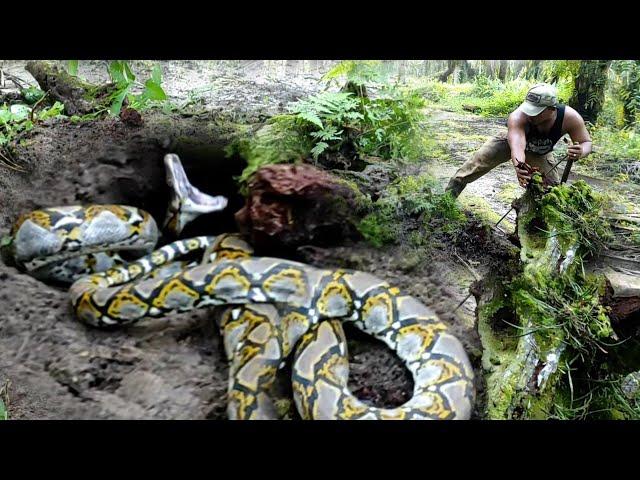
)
(267, 309)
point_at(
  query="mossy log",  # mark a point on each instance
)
(79, 97)
(526, 316)
(521, 366)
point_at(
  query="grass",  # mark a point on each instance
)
(616, 151)
(603, 399)
(4, 401)
(509, 192)
(488, 97)
(411, 207)
(483, 210)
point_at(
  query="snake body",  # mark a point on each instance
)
(267, 309)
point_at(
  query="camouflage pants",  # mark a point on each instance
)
(495, 151)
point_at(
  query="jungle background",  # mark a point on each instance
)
(392, 131)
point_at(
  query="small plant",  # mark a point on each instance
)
(19, 118)
(616, 151)
(358, 72)
(410, 203)
(4, 401)
(279, 141)
(72, 67)
(388, 126)
(125, 82)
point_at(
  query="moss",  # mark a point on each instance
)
(509, 192)
(278, 141)
(411, 207)
(483, 210)
(556, 306)
(381, 227)
(362, 202)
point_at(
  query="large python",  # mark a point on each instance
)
(267, 308)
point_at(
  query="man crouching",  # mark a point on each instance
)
(534, 129)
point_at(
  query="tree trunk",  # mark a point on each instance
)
(589, 88)
(533, 69)
(451, 66)
(467, 72)
(489, 68)
(631, 92)
(402, 70)
(502, 70)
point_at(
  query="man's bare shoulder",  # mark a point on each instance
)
(571, 113)
(572, 118)
(517, 118)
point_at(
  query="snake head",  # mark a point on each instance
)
(187, 202)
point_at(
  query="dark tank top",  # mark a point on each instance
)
(540, 143)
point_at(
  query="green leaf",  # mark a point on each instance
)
(52, 111)
(153, 91)
(311, 117)
(5, 115)
(72, 67)
(116, 105)
(156, 75)
(6, 240)
(116, 71)
(32, 94)
(129, 76)
(318, 149)
(4, 415)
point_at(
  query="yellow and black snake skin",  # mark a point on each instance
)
(282, 306)
(269, 308)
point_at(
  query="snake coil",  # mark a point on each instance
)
(268, 308)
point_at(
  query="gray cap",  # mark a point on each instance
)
(538, 98)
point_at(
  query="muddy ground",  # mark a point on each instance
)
(174, 368)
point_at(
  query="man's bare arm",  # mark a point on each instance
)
(579, 135)
(517, 143)
(516, 138)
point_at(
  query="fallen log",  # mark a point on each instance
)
(79, 97)
(577, 281)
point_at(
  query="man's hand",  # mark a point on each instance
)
(523, 171)
(575, 151)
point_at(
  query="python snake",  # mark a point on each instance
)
(266, 308)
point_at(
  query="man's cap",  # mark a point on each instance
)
(538, 98)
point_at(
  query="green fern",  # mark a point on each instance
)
(359, 72)
(319, 148)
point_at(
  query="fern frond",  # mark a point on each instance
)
(311, 117)
(318, 149)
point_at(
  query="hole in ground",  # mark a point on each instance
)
(376, 375)
(142, 183)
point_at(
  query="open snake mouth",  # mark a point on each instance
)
(187, 202)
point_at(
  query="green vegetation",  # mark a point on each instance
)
(350, 122)
(279, 141)
(560, 299)
(125, 81)
(387, 126)
(553, 303)
(19, 118)
(485, 96)
(410, 207)
(4, 401)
